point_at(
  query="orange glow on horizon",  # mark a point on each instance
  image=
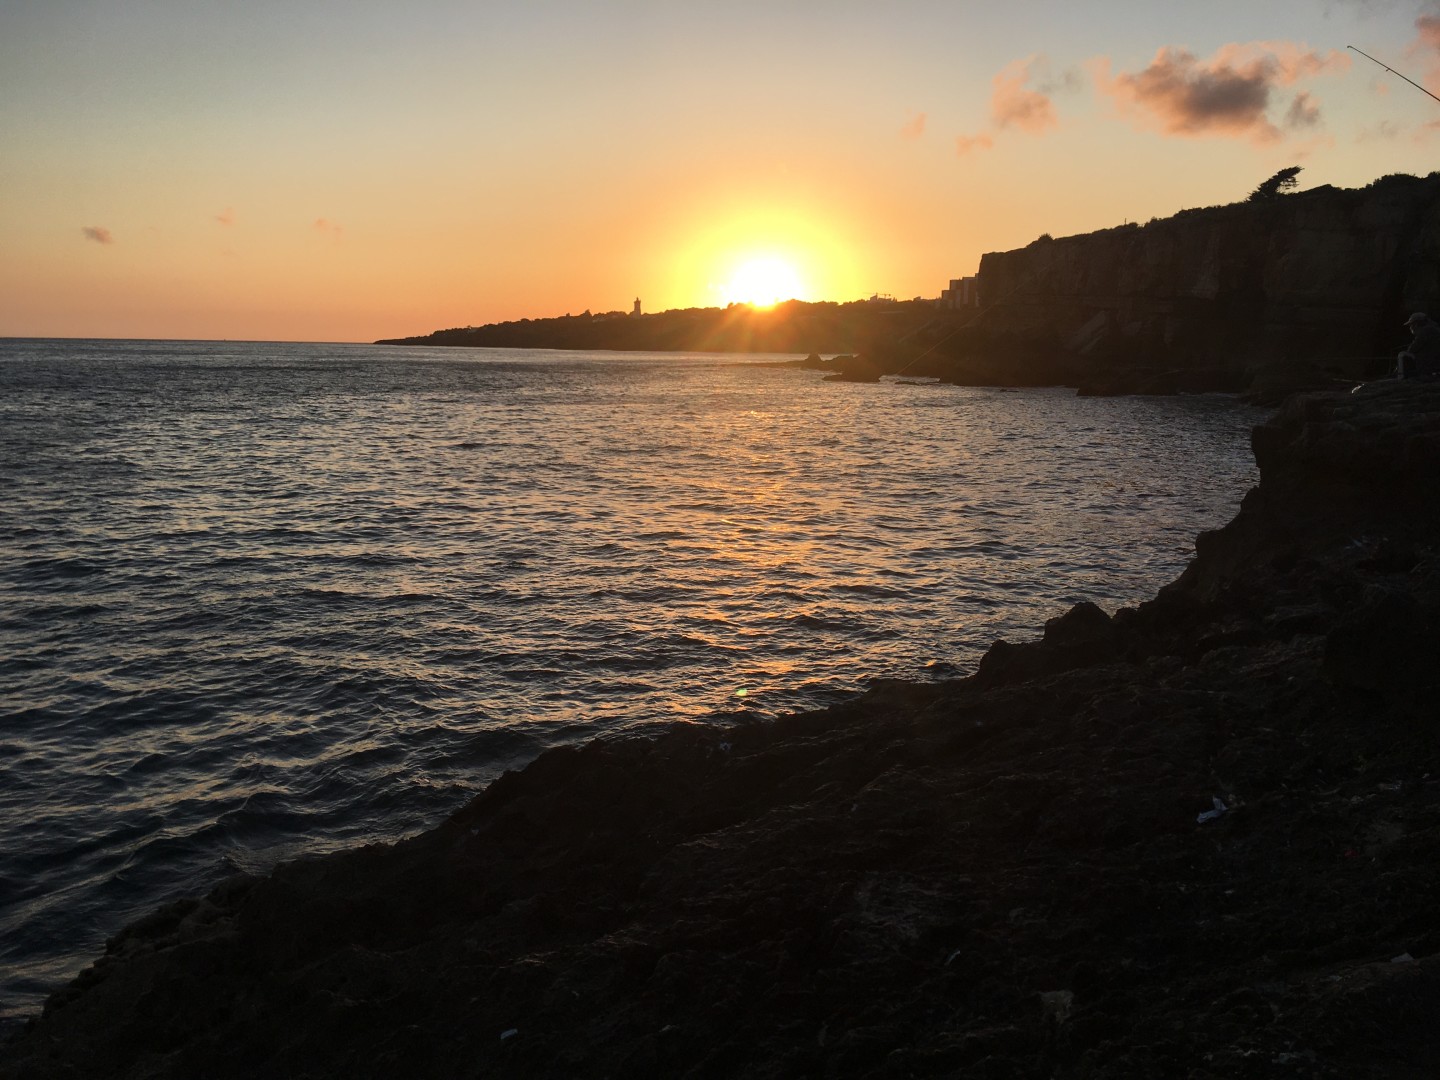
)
(745, 246)
(763, 282)
(401, 173)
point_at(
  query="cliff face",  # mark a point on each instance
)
(1196, 838)
(1216, 298)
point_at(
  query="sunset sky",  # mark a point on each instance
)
(308, 170)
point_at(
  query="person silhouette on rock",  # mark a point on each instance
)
(1421, 359)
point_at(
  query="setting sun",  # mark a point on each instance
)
(763, 282)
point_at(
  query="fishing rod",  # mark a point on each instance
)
(1392, 71)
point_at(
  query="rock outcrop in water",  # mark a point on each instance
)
(1194, 838)
(1261, 297)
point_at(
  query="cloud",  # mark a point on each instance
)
(1385, 131)
(226, 217)
(330, 228)
(98, 233)
(914, 127)
(1013, 105)
(1426, 48)
(1229, 94)
(1427, 30)
(1021, 100)
(1303, 112)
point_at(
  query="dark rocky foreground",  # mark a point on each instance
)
(1002, 876)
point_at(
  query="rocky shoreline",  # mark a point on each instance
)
(1191, 839)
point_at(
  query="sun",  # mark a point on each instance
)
(763, 282)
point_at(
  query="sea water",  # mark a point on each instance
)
(259, 600)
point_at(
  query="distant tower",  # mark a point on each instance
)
(637, 306)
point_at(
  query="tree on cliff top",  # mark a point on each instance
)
(1281, 183)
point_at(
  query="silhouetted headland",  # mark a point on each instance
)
(1193, 838)
(793, 326)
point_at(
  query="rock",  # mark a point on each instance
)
(1386, 644)
(1084, 635)
(855, 369)
(1271, 383)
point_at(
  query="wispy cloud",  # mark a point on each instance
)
(226, 217)
(964, 144)
(329, 228)
(98, 233)
(1426, 49)
(1384, 131)
(1230, 94)
(1013, 104)
(914, 127)
(1021, 99)
(1303, 112)
(1427, 29)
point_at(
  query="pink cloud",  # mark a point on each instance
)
(226, 217)
(330, 228)
(1017, 104)
(1230, 94)
(1013, 105)
(1427, 30)
(98, 233)
(1426, 47)
(914, 127)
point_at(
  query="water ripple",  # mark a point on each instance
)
(260, 600)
